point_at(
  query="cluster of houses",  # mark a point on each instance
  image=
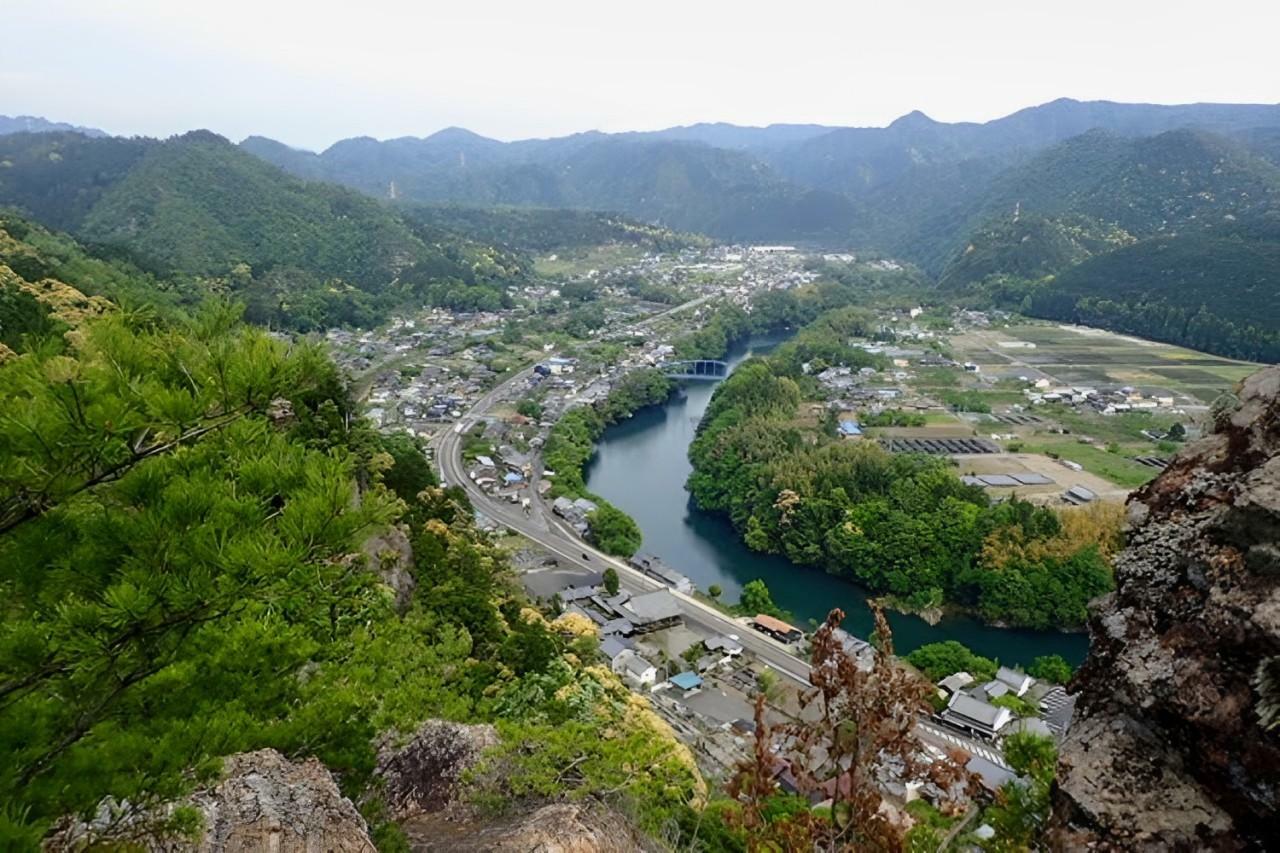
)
(638, 671)
(421, 399)
(576, 511)
(655, 568)
(1117, 401)
(503, 477)
(623, 614)
(971, 709)
(855, 386)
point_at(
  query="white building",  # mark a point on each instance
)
(635, 669)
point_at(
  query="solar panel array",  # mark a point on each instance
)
(940, 446)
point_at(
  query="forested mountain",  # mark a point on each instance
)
(37, 124)
(1216, 290)
(1140, 186)
(1026, 196)
(724, 135)
(199, 211)
(1171, 237)
(1031, 246)
(681, 184)
(540, 229)
(857, 159)
(889, 188)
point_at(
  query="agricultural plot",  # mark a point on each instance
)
(1034, 477)
(1080, 356)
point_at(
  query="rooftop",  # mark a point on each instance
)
(634, 664)
(976, 712)
(686, 680)
(991, 775)
(612, 647)
(655, 606)
(1018, 681)
(769, 622)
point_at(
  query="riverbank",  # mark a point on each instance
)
(641, 465)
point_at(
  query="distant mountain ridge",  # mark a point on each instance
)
(996, 207)
(208, 217)
(36, 124)
(783, 181)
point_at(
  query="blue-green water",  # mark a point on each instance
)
(641, 465)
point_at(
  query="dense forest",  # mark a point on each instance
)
(899, 524)
(1214, 291)
(547, 229)
(679, 183)
(1173, 238)
(205, 552)
(200, 214)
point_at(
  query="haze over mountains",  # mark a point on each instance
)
(1030, 196)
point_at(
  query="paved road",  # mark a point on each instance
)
(544, 528)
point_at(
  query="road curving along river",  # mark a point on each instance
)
(641, 465)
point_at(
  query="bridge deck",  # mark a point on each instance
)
(704, 368)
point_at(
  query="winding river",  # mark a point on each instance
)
(641, 465)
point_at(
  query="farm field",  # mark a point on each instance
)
(1076, 355)
(1036, 463)
(578, 262)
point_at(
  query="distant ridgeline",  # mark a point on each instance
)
(199, 213)
(208, 218)
(986, 209)
(1155, 220)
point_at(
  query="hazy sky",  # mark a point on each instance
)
(315, 72)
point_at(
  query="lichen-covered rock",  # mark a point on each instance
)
(263, 803)
(1171, 746)
(422, 774)
(390, 554)
(556, 828)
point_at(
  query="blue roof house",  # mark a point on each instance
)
(849, 429)
(686, 681)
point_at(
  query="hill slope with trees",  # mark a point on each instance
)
(205, 551)
(680, 183)
(200, 212)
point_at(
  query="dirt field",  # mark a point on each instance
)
(1023, 463)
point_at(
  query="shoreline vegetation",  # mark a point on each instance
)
(900, 525)
(572, 441)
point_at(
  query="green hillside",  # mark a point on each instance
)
(195, 204)
(683, 185)
(198, 212)
(547, 229)
(1031, 247)
(1171, 237)
(1153, 185)
(1217, 291)
(1103, 183)
(206, 551)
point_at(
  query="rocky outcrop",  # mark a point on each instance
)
(390, 554)
(557, 828)
(422, 774)
(263, 803)
(1174, 745)
(419, 782)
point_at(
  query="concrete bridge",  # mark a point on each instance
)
(703, 368)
